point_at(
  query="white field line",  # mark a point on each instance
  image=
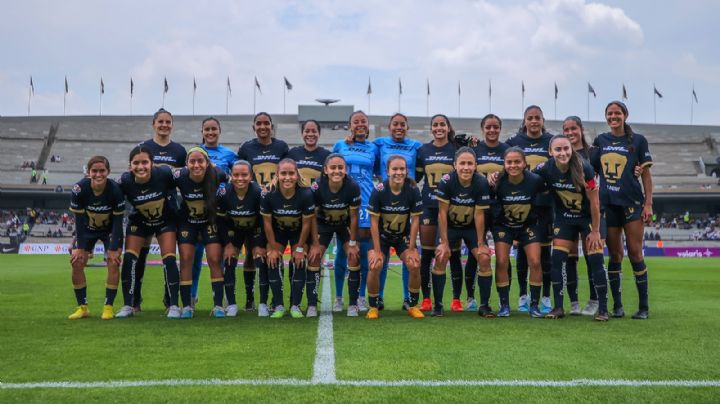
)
(324, 367)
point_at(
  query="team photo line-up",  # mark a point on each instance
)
(545, 195)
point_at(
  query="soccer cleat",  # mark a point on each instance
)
(173, 312)
(250, 306)
(602, 316)
(81, 312)
(523, 304)
(545, 305)
(575, 309)
(381, 303)
(406, 304)
(641, 314)
(373, 314)
(187, 312)
(338, 306)
(362, 304)
(352, 311)
(471, 304)
(415, 312)
(263, 310)
(311, 311)
(618, 312)
(125, 312)
(217, 312)
(295, 312)
(456, 305)
(231, 311)
(438, 310)
(485, 311)
(556, 314)
(107, 313)
(591, 308)
(279, 312)
(535, 311)
(426, 304)
(504, 311)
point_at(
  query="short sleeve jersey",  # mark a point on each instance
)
(570, 205)
(388, 147)
(287, 214)
(221, 156)
(360, 158)
(517, 199)
(462, 201)
(433, 163)
(395, 211)
(536, 152)
(615, 160)
(101, 209)
(264, 159)
(171, 155)
(333, 208)
(490, 159)
(192, 207)
(243, 213)
(150, 200)
(309, 163)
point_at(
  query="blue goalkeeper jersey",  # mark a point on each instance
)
(388, 146)
(360, 158)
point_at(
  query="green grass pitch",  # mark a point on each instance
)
(38, 344)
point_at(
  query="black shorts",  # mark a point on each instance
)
(250, 238)
(191, 233)
(546, 217)
(429, 216)
(88, 241)
(524, 235)
(285, 237)
(469, 235)
(141, 230)
(399, 244)
(570, 231)
(326, 233)
(618, 216)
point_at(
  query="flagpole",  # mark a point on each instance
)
(227, 99)
(555, 102)
(284, 94)
(254, 98)
(64, 103)
(691, 108)
(427, 99)
(588, 106)
(101, 104)
(489, 96)
(654, 104)
(29, 95)
(458, 99)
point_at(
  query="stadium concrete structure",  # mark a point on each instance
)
(685, 156)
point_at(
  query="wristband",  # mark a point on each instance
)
(352, 243)
(299, 249)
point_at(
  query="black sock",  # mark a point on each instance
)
(81, 295)
(298, 285)
(249, 277)
(456, 274)
(615, 276)
(353, 286)
(313, 279)
(263, 281)
(559, 258)
(438, 287)
(641, 282)
(593, 294)
(127, 277)
(425, 263)
(471, 271)
(217, 286)
(414, 298)
(535, 295)
(546, 264)
(186, 294)
(140, 274)
(276, 285)
(172, 279)
(522, 271)
(597, 264)
(110, 294)
(229, 280)
(504, 295)
(484, 281)
(572, 278)
(373, 301)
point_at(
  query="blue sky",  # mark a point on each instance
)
(330, 49)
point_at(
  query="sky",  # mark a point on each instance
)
(332, 49)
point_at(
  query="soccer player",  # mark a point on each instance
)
(98, 205)
(534, 140)
(309, 157)
(395, 206)
(626, 204)
(434, 160)
(361, 157)
(288, 211)
(571, 181)
(463, 196)
(337, 201)
(148, 189)
(516, 189)
(198, 184)
(239, 225)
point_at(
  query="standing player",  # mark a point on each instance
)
(149, 190)
(626, 204)
(98, 205)
(535, 141)
(360, 156)
(310, 156)
(395, 206)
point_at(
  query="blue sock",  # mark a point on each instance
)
(365, 246)
(197, 267)
(405, 282)
(383, 278)
(340, 271)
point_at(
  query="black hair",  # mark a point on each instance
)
(272, 186)
(579, 123)
(304, 124)
(395, 115)
(272, 125)
(140, 149)
(503, 173)
(99, 159)
(210, 185)
(161, 111)
(208, 119)
(523, 127)
(359, 111)
(464, 150)
(394, 157)
(576, 168)
(626, 128)
(451, 131)
(327, 161)
(490, 116)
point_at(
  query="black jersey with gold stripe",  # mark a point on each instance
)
(101, 213)
(309, 163)
(395, 210)
(172, 155)
(192, 207)
(242, 214)
(333, 208)
(462, 201)
(287, 213)
(264, 159)
(517, 199)
(489, 159)
(571, 205)
(537, 150)
(432, 163)
(615, 160)
(150, 201)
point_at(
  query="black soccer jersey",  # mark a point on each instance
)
(462, 201)
(432, 163)
(287, 214)
(570, 205)
(172, 155)
(489, 159)
(333, 209)
(393, 210)
(536, 152)
(240, 214)
(309, 163)
(517, 199)
(150, 201)
(98, 214)
(615, 160)
(263, 159)
(192, 207)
